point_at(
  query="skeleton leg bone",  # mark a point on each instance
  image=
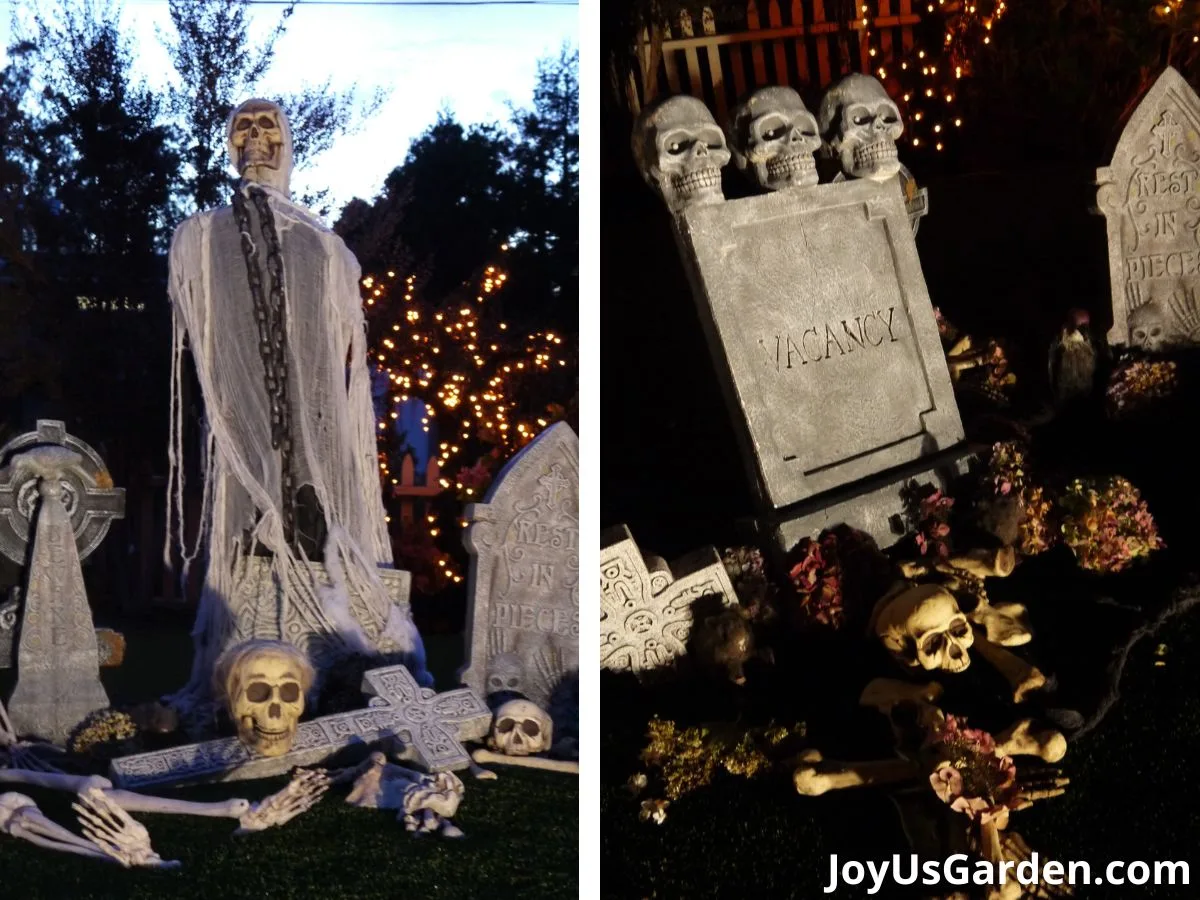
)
(530, 762)
(1021, 676)
(1022, 738)
(816, 775)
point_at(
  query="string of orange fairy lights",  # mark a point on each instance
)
(462, 361)
(924, 81)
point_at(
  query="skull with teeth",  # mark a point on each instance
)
(264, 683)
(923, 626)
(774, 136)
(680, 150)
(860, 124)
(260, 143)
(520, 728)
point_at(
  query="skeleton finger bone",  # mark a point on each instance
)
(1022, 677)
(114, 831)
(1023, 738)
(570, 766)
(816, 775)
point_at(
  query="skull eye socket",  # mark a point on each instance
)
(290, 692)
(505, 725)
(242, 124)
(258, 692)
(266, 122)
(933, 643)
(677, 147)
(862, 118)
(512, 682)
(959, 628)
(531, 728)
(889, 118)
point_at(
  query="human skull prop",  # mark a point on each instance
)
(506, 673)
(260, 143)
(1148, 328)
(264, 683)
(680, 150)
(520, 728)
(773, 135)
(860, 124)
(923, 626)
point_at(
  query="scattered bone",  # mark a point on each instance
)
(1021, 676)
(817, 775)
(570, 766)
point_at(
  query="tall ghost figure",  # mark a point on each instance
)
(266, 298)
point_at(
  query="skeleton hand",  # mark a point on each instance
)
(301, 794)
(1040, 783)
(112, 830)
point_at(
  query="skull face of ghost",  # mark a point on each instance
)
(520, 728)
(680, 149)
(264, 684)
(260, 145)
(1148, 328)
(774, 136)
(860, 124)
(924, 627)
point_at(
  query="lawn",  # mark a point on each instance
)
(522, 833)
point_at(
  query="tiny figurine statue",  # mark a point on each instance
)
(267, 299)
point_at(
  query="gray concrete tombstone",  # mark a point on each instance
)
(1149, 195)
(823, 336)
(523, 583)
(646, 605)
(58, 662)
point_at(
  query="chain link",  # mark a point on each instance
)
(270, 312)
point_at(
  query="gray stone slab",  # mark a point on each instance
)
(90, 498)
(109, 643)
(58, 662)
(646, 604)
(874, 506)
(432, 727)
(823, 334)
(1149, 195)
(523, 581)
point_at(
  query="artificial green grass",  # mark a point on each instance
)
(522, 832)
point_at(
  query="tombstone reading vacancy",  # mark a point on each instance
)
(1150, 196)
(523, 620)
(824, 337)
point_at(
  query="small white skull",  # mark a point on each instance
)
(264, 683)
(520, 728)
(860, 123)
(774, 135)
(506, 673)
(1148, 328)
(923, 626)
(680, 149)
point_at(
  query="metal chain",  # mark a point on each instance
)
(270, 316)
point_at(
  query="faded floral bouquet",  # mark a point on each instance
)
(931, 515)
(817, 580)
(1107, 524)
(971, 776)
(1137, 382)
(748, 572)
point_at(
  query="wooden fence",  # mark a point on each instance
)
(804, 44)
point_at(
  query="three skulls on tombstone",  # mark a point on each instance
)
(771, 136)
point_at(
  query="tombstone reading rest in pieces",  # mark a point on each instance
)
(58, 484)
(1150, 196)
(267, 298)
(523, 583)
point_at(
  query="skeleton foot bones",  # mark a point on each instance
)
(425, 803)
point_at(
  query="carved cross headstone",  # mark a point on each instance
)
(88, 493)
(432, 728)
(1150, 196)
(646, 605)
(109, 643)
(58, 663)
(523, 633)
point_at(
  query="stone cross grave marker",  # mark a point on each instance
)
(88, 493)
(431, 726)
(1150, 197)
(646, 605)
(823, 335)
(523, 583)
(58, 662)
